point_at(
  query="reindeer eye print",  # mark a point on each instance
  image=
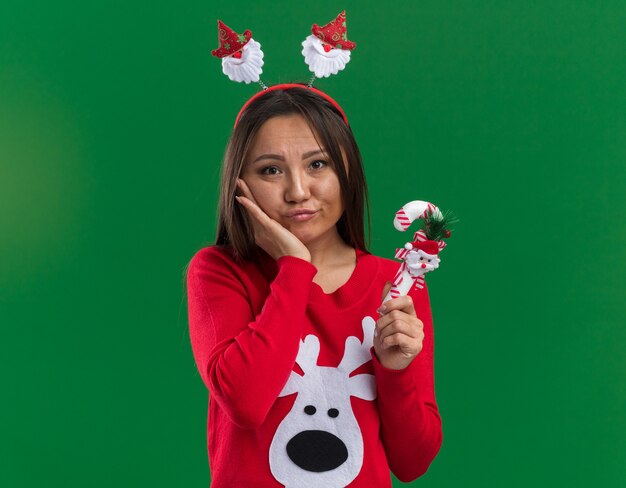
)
(310, 410)
(333, 412)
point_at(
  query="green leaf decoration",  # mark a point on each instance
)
(436, 226)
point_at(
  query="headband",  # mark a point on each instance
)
(326, 52)
(286, 86)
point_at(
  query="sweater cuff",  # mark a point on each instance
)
(393, 381)
(293, 270)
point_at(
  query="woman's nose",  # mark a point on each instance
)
(298, 188)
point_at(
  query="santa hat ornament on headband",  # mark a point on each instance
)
(326, 51)
(242, 58)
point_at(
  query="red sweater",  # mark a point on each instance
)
(297, 397)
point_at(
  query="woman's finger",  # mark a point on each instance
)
(269, 234)
(245, 190)
(408, 345)
(393, 316)
(406, 324)
(259, 217)
(386, 289)
(403, 303)
(251, 204)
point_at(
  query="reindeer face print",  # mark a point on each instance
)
(319, 442)
(316, 447)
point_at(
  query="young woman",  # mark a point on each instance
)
(311, 382)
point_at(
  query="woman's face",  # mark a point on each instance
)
(292, 180)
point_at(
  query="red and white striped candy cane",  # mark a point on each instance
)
(417, 209)
(403, 280)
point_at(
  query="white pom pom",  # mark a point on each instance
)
(408, 246)
(248, 67)
(323, 63)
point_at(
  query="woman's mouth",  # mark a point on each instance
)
(301, 215)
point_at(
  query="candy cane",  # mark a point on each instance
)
(412, 211)
(403, 279)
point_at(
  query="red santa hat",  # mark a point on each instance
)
(429, 247)
(334, 33)
(230, 41)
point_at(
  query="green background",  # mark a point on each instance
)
(113, 122)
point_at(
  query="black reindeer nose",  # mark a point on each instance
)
(317, 450)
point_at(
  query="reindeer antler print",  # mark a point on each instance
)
(307, 359)
(308, 353)
(357, 353)
(319, 442)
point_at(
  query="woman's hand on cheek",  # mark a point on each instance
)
(399, 333)
(269, 235)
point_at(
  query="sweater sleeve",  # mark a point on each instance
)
(410, 422)
(244, 360)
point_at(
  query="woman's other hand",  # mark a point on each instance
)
(269, 235)
(399, 333)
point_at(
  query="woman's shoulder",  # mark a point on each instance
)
(221, 260)
(215, 260)
(384, 264)
(212, 255)
(387, 269)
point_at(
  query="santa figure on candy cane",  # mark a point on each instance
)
(422, 255)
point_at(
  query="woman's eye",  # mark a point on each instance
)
(269, 170)
(318, 164)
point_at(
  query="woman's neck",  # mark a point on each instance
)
(330, 250)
